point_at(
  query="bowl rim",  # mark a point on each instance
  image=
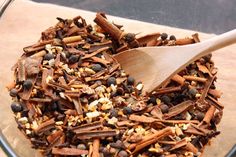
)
(4, 144)
(6, 147)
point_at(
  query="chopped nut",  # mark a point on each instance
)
(93, 114)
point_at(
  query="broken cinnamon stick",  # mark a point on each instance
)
(108, 27)
(69, 151)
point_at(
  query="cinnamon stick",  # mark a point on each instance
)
(87, 127)
(152, 139)
(184, 41)
(69, 151)
(209, 114)
(95, 152)
(179, 79)
(167, 90)
(96, 134)
(108, 27)
(175, 110)
(195, 78)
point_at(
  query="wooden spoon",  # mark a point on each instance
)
(155, 65)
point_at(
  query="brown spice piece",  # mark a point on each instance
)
(206, 89)
(196, 38)
(209, 114)
(96, 134)
(32, 66)
(145, 119)
(49, 124)
(184, 41)
(179, 144)
(171, 155)
(156, 112)
(25, 95)
(124, 123)
(179, 79)
(51, 138)
(71, 39)
(203, 69)
(215, 93)
(108, 27)
(167, 90)
(148, 140)
(190, 147)
(41, 99)
(57, 85)
(78, 105)
(21, 70)
(38, 54)
(99, 60)
(96, 46)
(69, 151)
(138, 106)
(195, 78)
(95, 52)
(95, 151)
(214, 102)
(142, 119)
(177, 109)
(193, 131)
(87, 127)
(45, 74)
(34, 48)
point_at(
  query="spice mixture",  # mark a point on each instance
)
(72, 98)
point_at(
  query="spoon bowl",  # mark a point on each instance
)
(156, 65)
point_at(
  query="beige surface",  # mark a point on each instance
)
(22, 24)
(2, 154)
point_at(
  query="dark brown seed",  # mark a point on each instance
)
(192, 92)
(27, 84)
(120, 91)
(200, 116)
(48, 56)
(129, 37)
(123, 154)
(164, 108)
(106, 152)
(96, 67)
(111, 80)
(113, 150)
(164, 36)
(113, 113)
(119, 144)
(73, 59)
(13, 92)
(165, 99)
(130, 80)
(127, 110)
(152, 100)
(172, 37)
(16, 107)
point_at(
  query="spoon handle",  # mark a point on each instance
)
(221, 41)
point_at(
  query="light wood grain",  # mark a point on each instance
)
(25, 20)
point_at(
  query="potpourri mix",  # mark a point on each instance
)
(71, 97)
